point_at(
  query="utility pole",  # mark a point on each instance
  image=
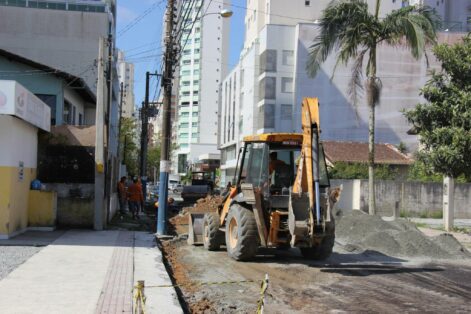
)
(166, 122)
(100, 140)
(108, 162)
(119, 121)
(144, 136)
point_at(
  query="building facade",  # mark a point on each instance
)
(202, 66)
(263, 93)
(126, 81)
(76, 38)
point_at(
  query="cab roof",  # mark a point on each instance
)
(274, 138)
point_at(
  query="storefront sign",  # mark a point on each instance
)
(18, 101)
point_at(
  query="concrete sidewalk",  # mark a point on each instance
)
(89, 272)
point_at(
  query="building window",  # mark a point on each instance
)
(286, 85)
(288, 57)
(74, 114)
(184, 125)
(197, 51)
(186, 83)
(186, 72)
(185, 93)
(286, 112)
(67, 119)
(195, 103)
(196, 72)
(307, 3)
(184, 114)
(267, 88)
(195, 92)
(185, 104)
(194, 124)
(186, 62)
(183, 135)
(194, 135)
(195, 114)
(268, 61)
(80, 119)
(266, 116)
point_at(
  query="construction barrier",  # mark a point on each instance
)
(139, 300)
(139, 304)
(263, 291)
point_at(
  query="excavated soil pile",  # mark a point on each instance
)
(203, 205)
(399, 238)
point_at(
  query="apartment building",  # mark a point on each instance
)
(202, 66)
(264, 91)
(126, 80)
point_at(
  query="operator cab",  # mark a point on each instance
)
(269, 162)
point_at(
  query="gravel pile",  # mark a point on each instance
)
(399, 238)
(13, 256)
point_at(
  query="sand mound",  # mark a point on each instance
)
(399, 238)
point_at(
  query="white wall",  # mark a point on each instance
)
(19, 142)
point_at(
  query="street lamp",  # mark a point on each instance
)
(225, 13)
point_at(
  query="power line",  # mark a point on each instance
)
(139, 18)
(188, 35)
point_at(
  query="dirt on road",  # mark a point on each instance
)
(355, 279)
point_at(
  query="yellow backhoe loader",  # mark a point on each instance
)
(280, 198)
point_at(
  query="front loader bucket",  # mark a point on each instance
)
(298, 217)
(195, 229)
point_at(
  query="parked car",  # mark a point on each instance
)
(176, 189)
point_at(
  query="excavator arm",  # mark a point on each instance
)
(303, 220)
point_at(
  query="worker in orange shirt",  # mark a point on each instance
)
(135, 198)
(122, 195)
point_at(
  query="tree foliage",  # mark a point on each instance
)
(128, 143)
(153, 161)
(444, 122)
(348, 27)
(350, 171)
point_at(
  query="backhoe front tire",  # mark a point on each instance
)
(242, 238)
(211, 233)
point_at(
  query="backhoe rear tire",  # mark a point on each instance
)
(211, 233)
(242, 240)
(324, 249)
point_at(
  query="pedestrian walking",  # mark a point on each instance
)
(135, 198)
(122, 195)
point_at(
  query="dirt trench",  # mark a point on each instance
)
(367, 282)
(359, 277)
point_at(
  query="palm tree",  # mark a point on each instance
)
(349, 28)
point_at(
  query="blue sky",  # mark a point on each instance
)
(139, 30)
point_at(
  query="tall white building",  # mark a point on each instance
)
(202, 66)
(126, 80)
(263, 93)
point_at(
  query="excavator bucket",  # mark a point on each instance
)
(299, 217)
(195, 229)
